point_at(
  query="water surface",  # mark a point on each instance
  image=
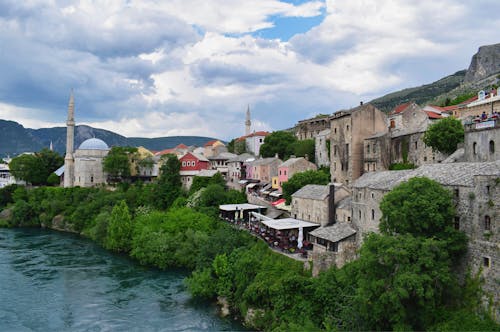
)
(52, 281)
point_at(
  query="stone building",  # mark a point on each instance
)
(309, 128)
(237, 168)
(377, 155)
(321, 143)
(264, 169)
(88, 163)
(349, 129)
(291, 167)
(476, 191)
(219, 162)
(482, 141)
(311, 203)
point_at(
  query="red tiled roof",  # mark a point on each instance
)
(433, 115)
(258, 133)
(167, 151)
(181, 146)
(210, 143)
(400, 108)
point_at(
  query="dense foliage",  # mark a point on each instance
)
(444, 135)
(117, 163)
(280, 143)
(299, 180)
(36, 168)
(403, 278)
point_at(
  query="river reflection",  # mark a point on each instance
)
(51, 281)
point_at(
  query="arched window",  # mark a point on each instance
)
(474, 145)
(492, 147)
(373, 214)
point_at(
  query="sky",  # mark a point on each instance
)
(154, 68)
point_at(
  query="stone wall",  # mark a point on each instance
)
(308, 129)
(312, 210)
(321, 149)
(413, 147)
(88, 168)
(478, 144)
(324, 259)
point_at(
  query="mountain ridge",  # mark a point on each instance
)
(16, 139)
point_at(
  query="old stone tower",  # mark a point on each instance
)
(248, 123)
(69, 160)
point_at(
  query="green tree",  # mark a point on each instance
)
(119, 231)
(278, 142)
(444, 135)
(305, 148)
(117, 162)
(301, 179)
(35, 168)
(169, 184)
(237, 145)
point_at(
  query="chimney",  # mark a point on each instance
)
(331, 204)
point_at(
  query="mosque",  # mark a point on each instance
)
(83, 167)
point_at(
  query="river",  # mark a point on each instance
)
(52, 281)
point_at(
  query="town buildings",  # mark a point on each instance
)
(291, 167)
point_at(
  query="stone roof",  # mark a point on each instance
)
(335, 232)
(241, 158)
(344, 203)
(223, 156)
(312, 191)
(377, 135)
(451, 174)
(291, 161)
(264, 161)
(207, 172)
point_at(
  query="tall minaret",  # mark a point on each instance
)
(69, 161)
(248, 123)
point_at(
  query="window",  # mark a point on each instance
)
(280, 172)
(456, 223)
(373, 195)
(334, 168)
(486, 262)
(374, 147)
(474, 148)
(457, 193)
(260, 140)
(492, 147)
(92, 179)
(487, 190)
(347, 128)
(373, 214)
(359, 214)
(335, 130)
(368, 148)
(183, 163)
(333, 247)
(487, 223)
(425, 158)
(347, 148)
(393, 124)
(416, 145)
(334, 150)
(348, 218)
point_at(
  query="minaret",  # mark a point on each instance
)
(51, 146)
(69, 161)
(248, 123)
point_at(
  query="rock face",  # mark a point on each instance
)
(485, 63)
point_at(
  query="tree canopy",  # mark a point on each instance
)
(117, 162)
(298, 180)
(278, 142)
(36, 168)
(169, 183)
(444, 135)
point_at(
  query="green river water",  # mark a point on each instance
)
(51, 281)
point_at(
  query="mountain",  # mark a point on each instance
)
(15, 139)
(483, 72)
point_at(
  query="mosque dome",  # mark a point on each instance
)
(93, 144)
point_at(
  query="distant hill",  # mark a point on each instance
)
(483, 72)
(15, 139)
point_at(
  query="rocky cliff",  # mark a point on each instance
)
(485, 62)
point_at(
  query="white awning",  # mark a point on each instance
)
(242, 181)
(288, 223)
(266, 192)
(251, 185)
(244, 206)
(276, 194)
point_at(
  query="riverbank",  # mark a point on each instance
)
(265, 289)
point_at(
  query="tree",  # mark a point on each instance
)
(117, 162)
(35, 168)
(422, 207)
(119, 231)
(169, 184)
(305, 148)
(278, 142)
(444, 135)
(301, 179)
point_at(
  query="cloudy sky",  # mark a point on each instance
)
(191, 67)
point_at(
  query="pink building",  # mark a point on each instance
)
(292, 166)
